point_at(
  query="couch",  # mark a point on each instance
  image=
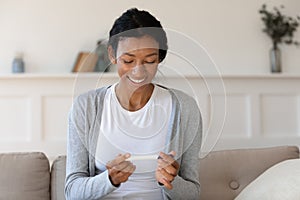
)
(223, 174)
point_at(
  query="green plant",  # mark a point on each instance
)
(279, 27)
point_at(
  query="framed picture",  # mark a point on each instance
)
(85, 62)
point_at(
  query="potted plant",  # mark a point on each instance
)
(280, 28)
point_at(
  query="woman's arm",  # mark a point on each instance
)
(79, 184)
(186, 184)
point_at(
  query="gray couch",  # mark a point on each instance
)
(223, 174)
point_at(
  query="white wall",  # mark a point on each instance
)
(260, 111)
(51, 32)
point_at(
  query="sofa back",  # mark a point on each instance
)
(224, 174)
(24, 176)
(58, 174)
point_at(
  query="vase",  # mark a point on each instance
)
(18, 64)
(275, 59)
(103, 62)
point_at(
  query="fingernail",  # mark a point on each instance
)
(172, 153)
(127, 155)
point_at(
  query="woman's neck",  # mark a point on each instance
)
(136, 99)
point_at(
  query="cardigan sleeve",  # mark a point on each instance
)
(186, 184)
(79, 184)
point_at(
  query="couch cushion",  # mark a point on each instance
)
(281, 181)
(58, 174)
(24, 176)
(224, 174)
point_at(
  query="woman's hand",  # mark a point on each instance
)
(119, 169)
(167, 169)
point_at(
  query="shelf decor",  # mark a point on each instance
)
(280, 28)
(85, 62)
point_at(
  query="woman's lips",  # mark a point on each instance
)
(136, 80)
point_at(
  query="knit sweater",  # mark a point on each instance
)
(184, 137)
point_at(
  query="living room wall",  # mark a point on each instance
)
(50, 33)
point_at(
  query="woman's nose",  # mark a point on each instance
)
(138, 70)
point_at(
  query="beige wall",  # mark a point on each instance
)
(51, 32)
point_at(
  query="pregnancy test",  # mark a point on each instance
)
(146, 157)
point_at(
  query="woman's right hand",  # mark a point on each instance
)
(119, 169)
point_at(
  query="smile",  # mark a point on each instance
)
(136, 80)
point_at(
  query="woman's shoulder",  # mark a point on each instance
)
(91, 94)
(89, 98)
(179, 95)
(182, 100)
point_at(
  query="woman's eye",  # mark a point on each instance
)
(150, 62)
(127, 61)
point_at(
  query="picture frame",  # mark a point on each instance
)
(85, 62)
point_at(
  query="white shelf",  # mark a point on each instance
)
(114, 75)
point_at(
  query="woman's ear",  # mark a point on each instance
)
(111, 55)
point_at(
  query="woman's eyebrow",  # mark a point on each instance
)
(132, 55)
(151, 54)
(129, 54)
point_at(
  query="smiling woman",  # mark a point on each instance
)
(112, 127)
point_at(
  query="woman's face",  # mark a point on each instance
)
(137, 60)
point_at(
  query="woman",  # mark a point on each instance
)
(134, 139)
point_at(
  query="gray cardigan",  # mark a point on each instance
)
(184, 137)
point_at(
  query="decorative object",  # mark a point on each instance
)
(85, 62)
(18, 64)
(280, 28)
(103, 62)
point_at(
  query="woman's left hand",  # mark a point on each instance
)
(167, 169)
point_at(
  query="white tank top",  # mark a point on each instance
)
(141, 133)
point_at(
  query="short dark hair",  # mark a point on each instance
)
(141, 23)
